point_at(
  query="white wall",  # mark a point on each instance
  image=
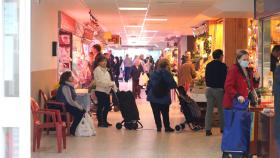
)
(44, 30)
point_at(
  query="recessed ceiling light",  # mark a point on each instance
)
(150, 30)
(155, 19)
(146, 37)
(132, 8)
(137, 26)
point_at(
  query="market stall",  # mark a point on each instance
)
(75, 42)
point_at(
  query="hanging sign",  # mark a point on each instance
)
(65, 22)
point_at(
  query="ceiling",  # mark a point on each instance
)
(180, 16)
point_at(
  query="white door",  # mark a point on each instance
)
(15, 69)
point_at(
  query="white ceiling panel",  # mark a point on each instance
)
(181, 14)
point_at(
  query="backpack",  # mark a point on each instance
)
(161, 88)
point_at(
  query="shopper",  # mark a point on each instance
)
(66, 94)
(240, 81)
(215, 76)
(110, 66)
(116, 70)
(277, 106)
(274, 60)
(97, 51)
(136, 71)
(186, 73)
(158, 94)
(127, 67)
(104, 85)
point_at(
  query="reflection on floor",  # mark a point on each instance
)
(144, 143)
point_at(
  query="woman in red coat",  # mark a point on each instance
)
(238, 77)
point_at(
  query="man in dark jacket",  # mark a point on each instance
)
(274, 60)
(96, 50)
(136, 71)
(215, 76)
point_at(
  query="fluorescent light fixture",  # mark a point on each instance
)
(153, 19)
(150, 30)
(135, 26)
(132, 8)
(146, 37)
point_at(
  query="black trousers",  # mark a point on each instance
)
(161, 109)
(117, 80)
(127, 73)
(77, 114)
(103, 106)
(136, 89)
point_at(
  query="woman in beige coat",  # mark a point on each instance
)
(186, 74)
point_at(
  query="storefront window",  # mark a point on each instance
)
(270, 37)
(11, 47)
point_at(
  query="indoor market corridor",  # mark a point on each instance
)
(146, 142)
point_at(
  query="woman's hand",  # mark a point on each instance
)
(241, 99)
(256, 75)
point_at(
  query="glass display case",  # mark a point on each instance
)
(269, 35)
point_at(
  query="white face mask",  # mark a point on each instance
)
(243, 63)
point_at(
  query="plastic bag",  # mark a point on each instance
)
(86, 127)
(143, 80)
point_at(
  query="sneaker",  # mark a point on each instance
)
(208, 133)
(169, 130)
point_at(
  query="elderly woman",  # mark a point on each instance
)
(240, 80)
(66, 94)
(104, 85)
(239, 87)
(158, 91)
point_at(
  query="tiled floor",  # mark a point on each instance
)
(144, 143)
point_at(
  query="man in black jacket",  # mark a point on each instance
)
(215, 76)
(97, 51)
(274, 61)
(135, 73)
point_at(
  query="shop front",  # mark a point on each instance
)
(74, 44)
(268, 15)
(269, 34)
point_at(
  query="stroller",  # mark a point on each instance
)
(191, 111)
(128, 110)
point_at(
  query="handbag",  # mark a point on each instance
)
(86, 127)
(252, 96)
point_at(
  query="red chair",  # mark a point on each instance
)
(55, 123)
(47, 103)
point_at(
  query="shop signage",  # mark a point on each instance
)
(88, 34)
(65, 22)
(115, 39)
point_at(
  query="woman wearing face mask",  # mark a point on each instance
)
(240, 80)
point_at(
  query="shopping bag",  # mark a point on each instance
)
(143, 80)
(86, 127)
(236, 135)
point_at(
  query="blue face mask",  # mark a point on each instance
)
(243, 63)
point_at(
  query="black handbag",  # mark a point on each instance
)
(252, 96)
